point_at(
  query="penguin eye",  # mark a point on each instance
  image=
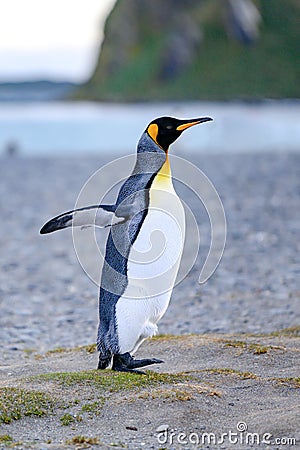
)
(169, 127)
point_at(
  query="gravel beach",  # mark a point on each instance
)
(47, 301)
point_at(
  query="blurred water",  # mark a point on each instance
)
(66, 128)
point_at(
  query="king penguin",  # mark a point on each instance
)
(143, 248)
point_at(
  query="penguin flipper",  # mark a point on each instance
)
(101, 216)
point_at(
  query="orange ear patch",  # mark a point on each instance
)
(153, 132)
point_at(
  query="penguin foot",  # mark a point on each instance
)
(126, 363)
(104, 362)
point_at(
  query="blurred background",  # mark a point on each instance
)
(79, 82)
(67, 69)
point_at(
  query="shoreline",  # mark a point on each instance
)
(73, 128)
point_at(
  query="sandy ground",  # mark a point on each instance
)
(46, 302)
(221, 383)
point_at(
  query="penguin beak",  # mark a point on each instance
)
(191, 122)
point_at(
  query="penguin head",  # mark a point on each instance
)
(165, 130)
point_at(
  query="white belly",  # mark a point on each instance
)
(152, 269)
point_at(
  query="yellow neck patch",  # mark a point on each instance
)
(163, 180)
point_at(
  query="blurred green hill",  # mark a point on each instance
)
(174, 50)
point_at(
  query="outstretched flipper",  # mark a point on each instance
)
(101, 216)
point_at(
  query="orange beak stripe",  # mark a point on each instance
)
(187, 125)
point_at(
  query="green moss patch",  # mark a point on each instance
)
(293, 382)
(167, 337)
(181, 392)
(256, 349)
(5, 439)
(228, 371)
(96, 387)
(81, 440)
(68, 419)
(112, 381)
(94, 407)
(87, 348)
(16, 403)
(92, 348)
(290, 332)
